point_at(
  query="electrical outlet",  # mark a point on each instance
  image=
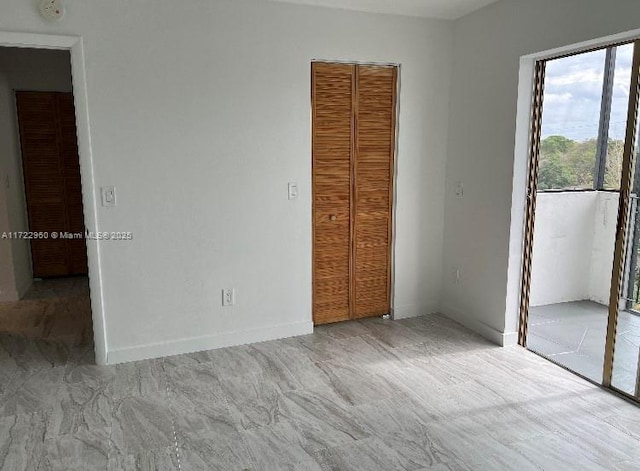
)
(228, 297)
(459, 190)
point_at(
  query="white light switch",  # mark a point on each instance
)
(293, 190)
(459, 190)
(108, 196)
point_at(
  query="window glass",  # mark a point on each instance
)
(570, 121)
(618, 121)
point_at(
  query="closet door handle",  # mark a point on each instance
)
(333, 217)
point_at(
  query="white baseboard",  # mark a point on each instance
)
(406, 312)
(209, 342)
(504, 339)
(510, 339)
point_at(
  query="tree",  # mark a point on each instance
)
(568, 164)
(552, 174)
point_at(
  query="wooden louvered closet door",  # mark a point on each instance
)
(373, 169)
(332, 97)
(354, 110)
(52, 181)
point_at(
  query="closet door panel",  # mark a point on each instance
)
(332, 94)
(52, 181)
(44, 181)
(76, 248)
(373, 169)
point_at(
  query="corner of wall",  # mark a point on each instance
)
(503, 339)
(406, 312)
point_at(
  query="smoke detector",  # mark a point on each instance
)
(52, 10)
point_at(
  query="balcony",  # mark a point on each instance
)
(571, 278)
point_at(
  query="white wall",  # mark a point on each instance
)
(200, 116)
(573, 247)
(604, 241)
(23, 69)
(482, 127)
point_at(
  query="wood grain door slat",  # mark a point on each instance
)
(52, 181)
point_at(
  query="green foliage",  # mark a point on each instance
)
(569, 164)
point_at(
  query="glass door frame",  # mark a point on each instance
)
(623, 232)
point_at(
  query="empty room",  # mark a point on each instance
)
(319, 235)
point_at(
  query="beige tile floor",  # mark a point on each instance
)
(415, 394)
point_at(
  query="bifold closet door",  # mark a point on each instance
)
(354, 109)
(52, 181)
(373, 185)
(332, 103)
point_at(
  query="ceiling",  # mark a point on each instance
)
(446, 9)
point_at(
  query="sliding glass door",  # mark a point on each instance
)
(580, 304)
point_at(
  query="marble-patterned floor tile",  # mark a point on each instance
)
(295, 369)
(21, 441)
(355, 385)
(625, 419)
(280, 445)
(207, 443)
(234, 361)
(193, 388)
(87, 449)
(363, 349)
(370, 454)
(555, 451)
(30, 391)
(513, 461)
(392, 333)
(341, 330)
(431, 397)
(254, 398)
(396, 424)
(601, 438)
(415, 394)
(140, 424)
(31, 354)
(471, 443)
(78, 408)
(625, 466)
(322, 418)
(139, 378)
(160, 459)
(283, 365)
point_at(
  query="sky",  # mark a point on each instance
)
(573, 95)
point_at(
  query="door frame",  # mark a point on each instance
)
(394, 177)
(530, 94)
(74, 45)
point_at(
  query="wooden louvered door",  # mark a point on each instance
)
(354, 109)
(52, 181)
(373, 170)
(332, 98)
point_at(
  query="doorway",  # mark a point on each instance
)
(354, 108)
(581, 233)
(45, 289)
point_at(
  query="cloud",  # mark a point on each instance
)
(589, 76)
(553, 98)
(573, 94)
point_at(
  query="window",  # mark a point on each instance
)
(584, 120)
